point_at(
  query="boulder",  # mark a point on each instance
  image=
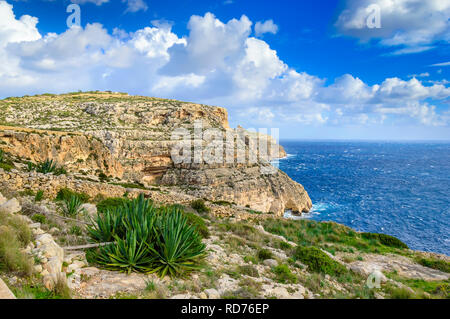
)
(2, 199)
(91, 209)
(11, 206)
(5, 293)
(212, 293)
(270, 262)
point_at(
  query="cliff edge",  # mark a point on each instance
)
(130, 139)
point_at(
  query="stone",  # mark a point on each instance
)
(54, 265)
(2, 199)
(5, 293)
(212, 293)
(203, 296)
(280, 293)
(44, 239)
(11, 206)
(270, 262)
(54, 230)
(90, 209)
(38, 268)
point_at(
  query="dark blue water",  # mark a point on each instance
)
(401, 189)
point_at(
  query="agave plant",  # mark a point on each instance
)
(72, 206)
(178, 248)
(125, 255)
(146, 239)
(48, 166)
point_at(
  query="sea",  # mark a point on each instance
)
(396, 188)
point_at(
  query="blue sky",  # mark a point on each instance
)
(311, 68)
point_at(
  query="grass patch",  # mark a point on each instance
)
(111, 203)
(386, 240)
(318, 261)
(198, 223)
(65, 194)
(284, 275)
(39, 218)
(264, 254)
(438, 264)
(14, 236)
(321, 234)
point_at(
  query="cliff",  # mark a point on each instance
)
(129, 139)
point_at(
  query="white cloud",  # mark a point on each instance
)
(441, 64)
(135, 5)
(96, 2)
(421, 75)
(411, 24)
(265, 27)
(217, 63)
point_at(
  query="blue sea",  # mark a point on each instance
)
(397, 188)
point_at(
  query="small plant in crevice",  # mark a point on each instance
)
(39, 196)
(46, 167)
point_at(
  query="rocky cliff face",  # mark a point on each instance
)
(129, 138)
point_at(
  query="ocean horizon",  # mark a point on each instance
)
(398, 188)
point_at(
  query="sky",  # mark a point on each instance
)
(325, 69)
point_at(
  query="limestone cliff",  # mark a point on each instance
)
(129, 138)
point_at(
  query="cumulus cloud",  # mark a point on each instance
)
(412, 25)
(217, 63)
(265, 27)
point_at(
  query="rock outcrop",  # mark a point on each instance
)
(130, 138)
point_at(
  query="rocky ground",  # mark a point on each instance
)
(246, 259)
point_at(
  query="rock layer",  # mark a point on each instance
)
(129, 137)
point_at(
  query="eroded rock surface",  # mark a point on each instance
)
(129, 137)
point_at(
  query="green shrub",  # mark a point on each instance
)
(438, 264)
(199, 224)
(264, 254)
(318, 261)
(65, 194)
(401, 293)
(72, 206)
(102, 176)
(7, 167)
(386, 240)
(284, 275)
(146, 239)
(248, 270)
(76, 230)
(39, 218)
(199, 206)
(111, 203)
(39, 196)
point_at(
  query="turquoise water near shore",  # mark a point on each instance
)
(397, 188)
